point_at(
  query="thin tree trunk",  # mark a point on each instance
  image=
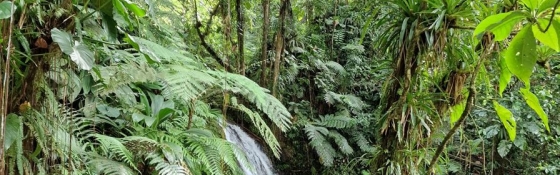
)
(5, 92)
(264, 44)
(240, 36)
(279, 45)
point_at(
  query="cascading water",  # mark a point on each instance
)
(253, 151)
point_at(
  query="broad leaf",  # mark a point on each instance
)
(499, 24)
(505, 76)
(550, 37)
(103, 6)
(78, 52)
(108, 110)
(63, 39)
(521, 55)
(149, 120)
(136, 117)
(82, 56)
(134, 8)
(520, 142)
(506, 117)
(12, 131)
(457, 111)
(503, 29)
(531, 4)
(120, 9)
(533, 102)
(503, 148)
(546, 5)
(6, 9)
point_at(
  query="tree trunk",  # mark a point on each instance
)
(264, 44)
(240, 37)
(279, 45)
(4, 93)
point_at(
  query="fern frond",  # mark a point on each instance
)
(337, 121)
(157, 52)
(339, 69)
(257, 95)
(198, 149)
(114, 146)
(263, 129)
(363, 143)
(341, 142)
(324, 149)
(110, 167)
(166, 168)
(353, 102)
(185, 83)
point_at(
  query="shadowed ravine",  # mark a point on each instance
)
(252, 150)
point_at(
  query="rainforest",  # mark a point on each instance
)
(279, 87)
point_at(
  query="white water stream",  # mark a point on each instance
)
(255, 155)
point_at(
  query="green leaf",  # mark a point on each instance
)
(149, 121)
(531, 4)
(134, 8)
(136, 117)
(520, 142)
(550, 37)
(521, 55)
(108, 110)
(156, 52)
(547, 5)
(104, 6)
(506, 117)
(499, 24)
(12, 132)
(457, 111)
(63, 39)
(533, 102)
(503, 29)
(505, 75)
(6, 9)
(503, 148)
(78, 52)
(119, 6)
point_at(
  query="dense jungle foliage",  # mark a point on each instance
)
(326, 86)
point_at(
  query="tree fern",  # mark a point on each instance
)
(257, 95)
(336, 121)
(324, 149)
(353, 102)
(185, 83)
(156, 52)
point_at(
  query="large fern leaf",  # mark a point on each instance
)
(263, 129)
(320, 144)
(257, 95)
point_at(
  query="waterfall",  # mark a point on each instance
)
(255, 155)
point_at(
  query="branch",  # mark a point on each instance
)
(462, 27)
(202, 36)
(468, 108)
(470, 102)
